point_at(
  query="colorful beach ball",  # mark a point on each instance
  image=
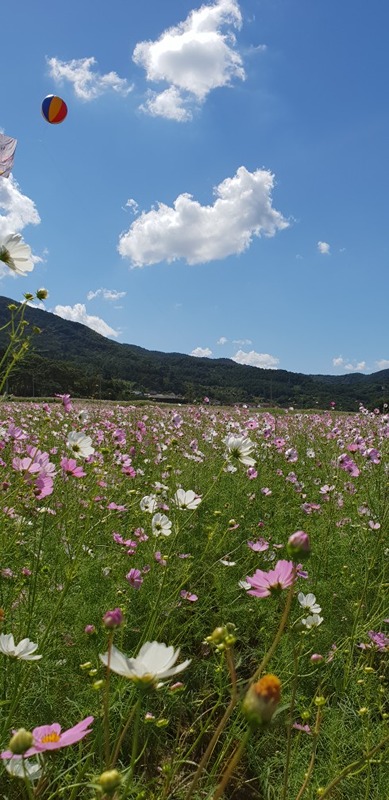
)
(54, 109)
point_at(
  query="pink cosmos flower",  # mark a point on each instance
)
(263, 583)
(70, 466)
(49, 737)
(134, 578)
(299, 727)
(188, 596)
(259, 546)
(65, 401)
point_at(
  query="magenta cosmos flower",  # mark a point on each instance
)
(264, 583)
(49, 737)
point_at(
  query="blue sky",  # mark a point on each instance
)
(219, 186)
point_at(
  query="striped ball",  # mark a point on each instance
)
(54, 109)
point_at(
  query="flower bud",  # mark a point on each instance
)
(42, 294)
(110, 781)
(21, 741)
(261, 700)
(28, 296)
(113, 619)
(299, 545)
(223, 636)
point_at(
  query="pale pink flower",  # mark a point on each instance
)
(49, 737)
(134, 578)
(263, 583)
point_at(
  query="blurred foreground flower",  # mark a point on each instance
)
(23, 768)
(24, 650)
(153, 663)
(16, 254)
(264, 583)
(80, 444)
(262, 699)
(49, 737)
(239, 448)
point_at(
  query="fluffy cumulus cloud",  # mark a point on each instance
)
(194, 57)
(198, 234)
(78, 313)
(106, 294)
(17, 210)
(201, 352)
(222, 340)
(253, 359)
(87, 82)
(383, 363)
(169, 104)
(323, 248)
(358, 366)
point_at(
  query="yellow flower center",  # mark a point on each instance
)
(50, 737)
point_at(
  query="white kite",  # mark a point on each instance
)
(7, 152)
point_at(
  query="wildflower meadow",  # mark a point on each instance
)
(193, 602)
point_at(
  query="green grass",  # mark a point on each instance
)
(78, 573)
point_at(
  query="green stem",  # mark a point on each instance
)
(106, 703)
(234, 699)
(296, 657)
(134, 751)
(232, 764)
(313, 756)
(353, 768)
(120, 739)
(278, 635)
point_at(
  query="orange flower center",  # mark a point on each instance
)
(50, 737)
(268, 688)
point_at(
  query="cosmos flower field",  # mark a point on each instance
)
(194, 602)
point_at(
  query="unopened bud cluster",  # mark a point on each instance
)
(223, 636)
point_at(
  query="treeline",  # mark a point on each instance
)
(69, 357)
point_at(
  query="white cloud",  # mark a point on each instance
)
(87, 82)
(198, 234)
(323, 248)
(133, 205)
(194, 57)
(383, 363)
(168, 104)
(360, 366)
(241, 341)
(201, 352)
(77, 313)
(254, 359)
(222, 340)
(19, 210)
(106, 294)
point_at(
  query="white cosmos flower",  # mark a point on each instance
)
(308, 602)
(313, 621)
(16, 254)
(80, 444)
(240, 448)
(154, 663)
(188, 500)
(149, 503)
(24, 768)
(23, 650)
(161, 525)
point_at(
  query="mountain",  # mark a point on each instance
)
(70, 357)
